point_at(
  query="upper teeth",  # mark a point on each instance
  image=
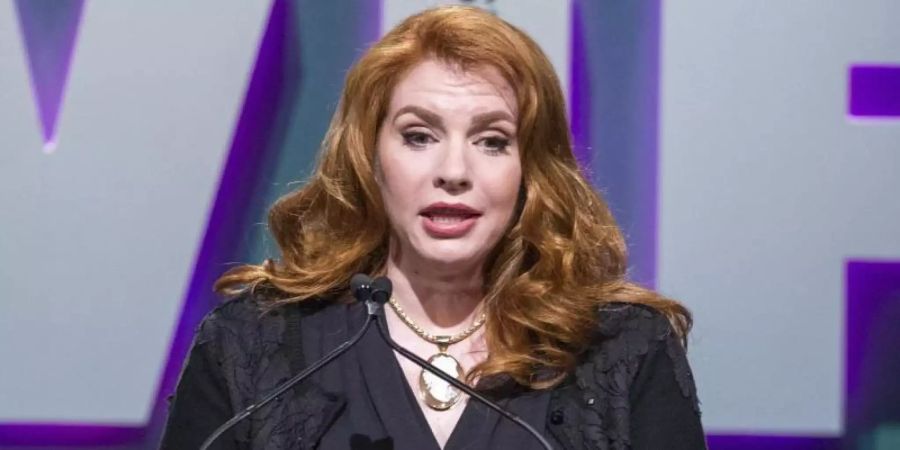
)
(448, 211)
(446, 218)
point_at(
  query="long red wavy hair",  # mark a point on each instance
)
(546, 278)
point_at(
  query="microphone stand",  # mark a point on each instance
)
(382, 292)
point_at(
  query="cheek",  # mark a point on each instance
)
(400, 185)
(387, 170)
(395, 175)
(503, 186)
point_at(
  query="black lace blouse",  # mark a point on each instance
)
(632, 390)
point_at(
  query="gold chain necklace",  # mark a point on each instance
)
(435, 392)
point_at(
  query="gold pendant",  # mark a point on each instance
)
(437, 393)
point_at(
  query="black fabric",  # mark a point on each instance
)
(292, 334)
(202, 401)
(633, 389)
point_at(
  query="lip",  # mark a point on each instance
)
(448, 229)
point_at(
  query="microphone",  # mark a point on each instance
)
(381, 293)
(362, 288)
(382, 288)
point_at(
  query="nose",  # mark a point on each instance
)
(452, 173)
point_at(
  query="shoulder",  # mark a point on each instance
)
(625, 336)
(634, 364)
(644, 339)
(629, 320)
(252, 322)
(636, 342)
(626, 332)
(253, 342)
(236, 317)
(236, 311)
(244, 349)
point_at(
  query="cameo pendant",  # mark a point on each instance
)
(435, 392)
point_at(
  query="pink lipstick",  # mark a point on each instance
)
(448, 220)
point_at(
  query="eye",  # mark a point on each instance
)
(417, 138)
(494, 144)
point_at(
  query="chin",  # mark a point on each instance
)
(450, 254)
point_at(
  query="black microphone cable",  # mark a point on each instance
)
(381, 293)
(361, 286)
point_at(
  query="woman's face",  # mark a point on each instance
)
(449, 163)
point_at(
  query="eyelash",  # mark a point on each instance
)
(409, 136)
(500, 143)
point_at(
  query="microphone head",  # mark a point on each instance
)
(382, 288)
(361, 287)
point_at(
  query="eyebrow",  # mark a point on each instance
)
(478, 120)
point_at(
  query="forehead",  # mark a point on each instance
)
(438, 85)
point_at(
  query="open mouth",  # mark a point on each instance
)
(448, 215)
(449, 221)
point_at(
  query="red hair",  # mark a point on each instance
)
(558, 263)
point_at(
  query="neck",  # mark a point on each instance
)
(444, 301)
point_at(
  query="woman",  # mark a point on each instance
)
(447, 167)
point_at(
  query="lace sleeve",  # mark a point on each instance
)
(201, 400)
(633, 390)
(238, 357)
(665, 410)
